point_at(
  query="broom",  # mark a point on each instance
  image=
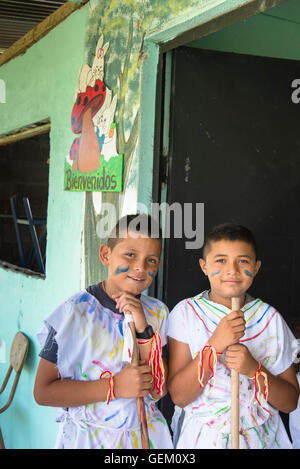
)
(139, 400)
(235, 410)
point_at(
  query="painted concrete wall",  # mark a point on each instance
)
(273, 33)
(40, 84)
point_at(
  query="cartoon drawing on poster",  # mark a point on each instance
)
(93, 163)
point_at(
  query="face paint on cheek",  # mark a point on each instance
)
(153, 274)
(121, 269)
(215, 273)
(248, 273)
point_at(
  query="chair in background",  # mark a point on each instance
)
(17, 357)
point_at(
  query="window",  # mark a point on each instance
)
(24, 175)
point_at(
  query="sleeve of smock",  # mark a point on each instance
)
(46, 335)
(288, 347)
(178, 325)
(163, 327)
(49, 350)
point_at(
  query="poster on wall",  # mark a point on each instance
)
(93, 163)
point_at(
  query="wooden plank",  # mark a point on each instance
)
(25, 133)
(18, 351)
(215, 24)
(39, 31)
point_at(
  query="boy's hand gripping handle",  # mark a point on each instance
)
(139, 400)
(235, 410)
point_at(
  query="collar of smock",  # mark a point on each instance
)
(103, 298)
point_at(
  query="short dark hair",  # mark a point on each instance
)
(229, 232)
(141, 224)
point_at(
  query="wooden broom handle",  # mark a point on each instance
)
(235, 410)
(139, 400)
(135, 350)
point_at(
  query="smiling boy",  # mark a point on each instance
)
(88, 337)
(207, 340)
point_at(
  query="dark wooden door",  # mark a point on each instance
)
(235, 146)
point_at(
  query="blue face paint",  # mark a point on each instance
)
(121, 269)
(215, 273)
(153, 274)
(248, 273)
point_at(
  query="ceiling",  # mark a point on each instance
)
(17, 17)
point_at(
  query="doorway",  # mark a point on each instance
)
(235, 146)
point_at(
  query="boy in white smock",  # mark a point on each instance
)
(85, 367)
(207, 340)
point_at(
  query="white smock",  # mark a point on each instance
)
(205, 423)
(90, 340)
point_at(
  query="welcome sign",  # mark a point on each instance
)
(107, 177)
(93, 162)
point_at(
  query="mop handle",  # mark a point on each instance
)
(139, 400)
(235, 410)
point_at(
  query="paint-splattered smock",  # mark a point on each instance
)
(205, 423)
(90, 340)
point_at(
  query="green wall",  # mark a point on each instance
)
(40, 84)
(274, 33)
